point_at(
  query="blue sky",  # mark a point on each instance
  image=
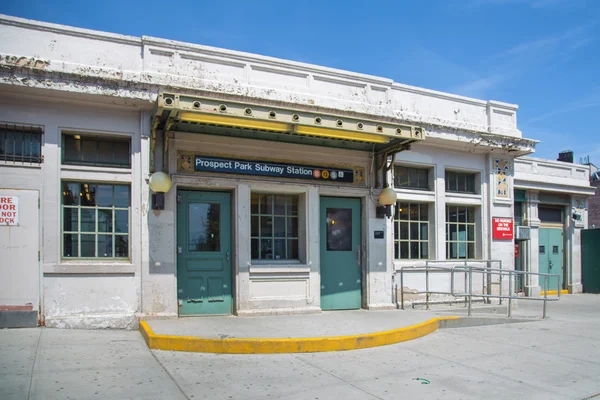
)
(543, 55)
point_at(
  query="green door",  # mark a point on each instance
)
(340, 254)
(204, 253)
(551, 256)
(590, 260)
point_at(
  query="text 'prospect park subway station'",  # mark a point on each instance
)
(160, 178)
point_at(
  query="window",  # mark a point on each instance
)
(96, 151)
(460, 182)
(460, 232)
(274, 227)
(21, 144)
(550, 214)
(413, 178)
(95, 220)
(411, 231)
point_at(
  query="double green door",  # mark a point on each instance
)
(551, 256)
(204, 253)
(340, 253)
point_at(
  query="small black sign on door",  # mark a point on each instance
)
(378, 234)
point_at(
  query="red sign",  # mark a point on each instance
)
(516, 250)
(502, 228)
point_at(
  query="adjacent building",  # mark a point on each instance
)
(143, 177)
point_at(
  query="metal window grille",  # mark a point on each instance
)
(411, 231)
(21, 144)
(274, 227)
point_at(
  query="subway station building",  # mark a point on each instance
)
(154, 178)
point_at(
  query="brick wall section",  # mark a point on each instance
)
(594, 207)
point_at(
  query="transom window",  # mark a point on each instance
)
(274, 226)
(460, 182)
(96, 151)
(460, 232)
(21, 144)
(410, 177)
(411, 231)
(95, 220)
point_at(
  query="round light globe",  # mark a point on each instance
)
(387, 197)
(160, 182)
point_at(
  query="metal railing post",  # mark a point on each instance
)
(470, 291)
(426, 288)
(509, 294)
(545, 295)
(402, 288)
(466, 297)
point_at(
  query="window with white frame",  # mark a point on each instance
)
(100, 151)
(411, 177)
(274, 226)
(411, 231)
(95, 220)
(460, 232)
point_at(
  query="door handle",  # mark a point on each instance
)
(227, 256)
(179, 250)
(550, 264)
(358, 254)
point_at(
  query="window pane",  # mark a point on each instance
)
(266, 249)
(88, 195)
(292, 249)
(396, 249)
(70, 247)
(401, 177)
(471, 250)
(462, 232)
(414, 212)
(121, 221)
(254, 226)
(292, 227)
(266, 204)
(70, 194)
(396, 224)
(88, 220)
(70, 219)
(470, 214)
(471, 233)
(88, 245)
(462, 250)
(88, 152)
(462, 214)
(105, 221)
(453, 232)
(292, 204)
(280, 205)
(105, 248)
(414, 231)
(452, 250)
(204, 227)
(104, 196)
(266, 226)
(121, 196)
(122, 153)
(450, 181)
(403, 211)
(404, 230)
(424, 250)
(339, 229)
(254, 203)
(413, 177)
(279, 230)
(451, 214)
(279, 249)
(461, 183)
(121, 246)
(424, 232)
(423, 179)
(100, 151)
(404, 250)
(254, 248)
(424, 212)
(414, 250)
(471, 183)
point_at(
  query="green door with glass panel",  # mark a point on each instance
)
(551, 256)
(204, 253)
(340, 253)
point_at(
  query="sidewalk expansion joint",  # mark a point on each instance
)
(230, 345)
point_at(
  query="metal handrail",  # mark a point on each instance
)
(468, 295)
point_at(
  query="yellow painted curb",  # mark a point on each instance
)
(554, 292)
(287, 345)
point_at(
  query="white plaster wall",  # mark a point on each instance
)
(134, 65)
(116, 284)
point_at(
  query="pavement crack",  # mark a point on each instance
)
(169, 374)
(35, 358)
(337, 377)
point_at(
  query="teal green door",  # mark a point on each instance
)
(551, 256)
(204, 253)
(340, 253)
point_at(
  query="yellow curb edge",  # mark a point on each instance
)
(288, 345)
(554, 292)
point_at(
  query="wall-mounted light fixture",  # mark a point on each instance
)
(160, 183)
(387, 198)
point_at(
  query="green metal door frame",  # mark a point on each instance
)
(204, 253)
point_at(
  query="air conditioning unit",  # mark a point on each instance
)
(523, 233)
